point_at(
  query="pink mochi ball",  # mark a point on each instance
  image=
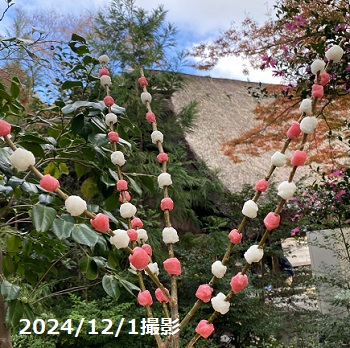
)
(172, 266)
(204, 292)
(167, 204)
(136, 223)
(49, 183)
(139, 259)
(108, 100)
(145, 298)
(122, 185)
(204, 328)
(5, 128)
(238, 282)
(261, 185)
(235, 237)
(317, 91)
(160, 296)
(100, 223)
(143, 81)
(127, 197)
(272, 221)
(103, 71)
(132, 234)
(147, 248)
(299, 158)
(162, 157)
(294, 130)
(113, 137)
(150, 117)
(324, 78)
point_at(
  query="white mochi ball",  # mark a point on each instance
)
(111, 118)
(157, 136)
(127, 210)
(120, 239)
(219, 304)
(253, 254)
(75, 205)
(308, 124)
(154, 268)
(306, 106)
(278, 159)
(142, 234)
(170, 235)
(146, 97)
(218, 269)
(335, 53)
(104, 59)
(164, 179)
(317, 65)
(286, 189)
(22, 159)
(250, 209)
(105, 80)
(117, 158)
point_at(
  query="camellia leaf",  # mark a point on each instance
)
(9, 291)
(43, 217)
(83, 234)
(14, 312)
(71, 84)
(89, 188)
(111, 286)
(62, 229)
(88, 266)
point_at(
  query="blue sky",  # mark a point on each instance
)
(196, 20)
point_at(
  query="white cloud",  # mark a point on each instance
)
(232, 67)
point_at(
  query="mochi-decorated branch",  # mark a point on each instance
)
(141, 258)
(306, 125)
(170, 236)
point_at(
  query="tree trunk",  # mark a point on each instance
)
(5, 336)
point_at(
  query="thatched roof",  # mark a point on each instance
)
(225, 111)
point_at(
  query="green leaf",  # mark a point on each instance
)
(89, 188)
(83, 234)
(14, 312)
(111, 286)
(43, 217)
(76, 37)
(62, 229)
(33, 147)
(8, 266)
(148, 182)
(71, 84)
(9, 291)
(88, 266)
(80, 169)
(77, 123)
(135, 186)
(13, 244)
(14, 89)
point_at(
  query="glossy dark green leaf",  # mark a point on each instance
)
(76, 37)
(83, 234)
(43, 217)
(9, 291)
(135, 186)
(88, 266)
(62, 229)
(111, 286)
(14, 312)
(33, 147)
(14, 88)
(29, 187)
(71, 84)
(77, 123)
(148, 182)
